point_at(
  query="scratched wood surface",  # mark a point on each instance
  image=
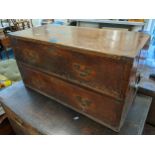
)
(32, 113)
(87, 57)
(84, 61)
(108, 42)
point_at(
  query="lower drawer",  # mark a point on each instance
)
(18, 125)
(99, 107)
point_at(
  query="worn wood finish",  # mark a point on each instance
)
(97, 106)
(19, 126)
(102, 61)
(99, 41)
(5, 127)
(32, 113)
(88, 70)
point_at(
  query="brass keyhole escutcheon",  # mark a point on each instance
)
(38, 83)
(82, 70)
(84, 102)
(31, 56)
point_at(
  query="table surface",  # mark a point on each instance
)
(50, 117)
(110, 22)
(99, 41)
(147, 86)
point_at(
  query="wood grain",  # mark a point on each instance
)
(100, 41)
(89, 70)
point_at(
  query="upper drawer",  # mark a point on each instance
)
(102, 74)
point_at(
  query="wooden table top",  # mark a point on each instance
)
(50, 117)
(109, 22)
(147, 86)
(101, 41)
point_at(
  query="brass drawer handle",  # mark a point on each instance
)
(84, 102)
(38, 83)
(30, 55)
(19, 122)
(82, 70)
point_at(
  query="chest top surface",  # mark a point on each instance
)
(103, 41)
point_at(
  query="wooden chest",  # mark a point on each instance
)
(93, 71)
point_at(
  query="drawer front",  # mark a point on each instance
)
(19, 126)
(99, 107)
(96, 72)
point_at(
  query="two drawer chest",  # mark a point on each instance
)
(92, 71)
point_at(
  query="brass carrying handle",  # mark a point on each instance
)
(138, 78)
(19, 122)
(82, 70)
(84, 102)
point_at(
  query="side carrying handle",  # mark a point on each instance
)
(19, 122)
(138, 78)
